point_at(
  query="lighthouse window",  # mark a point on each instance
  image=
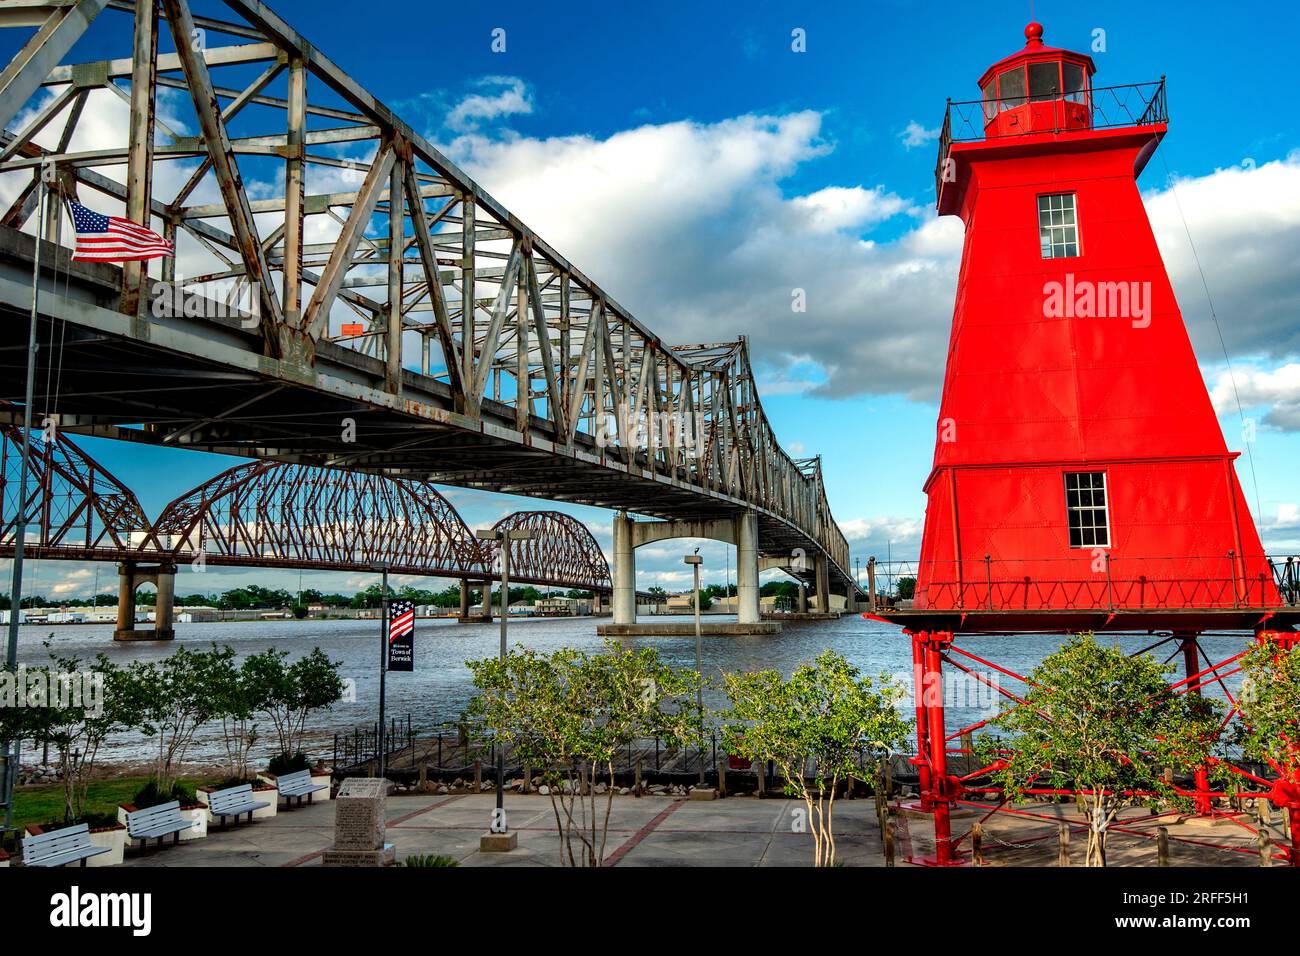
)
(1044, 81)
(1058, 230)
(1072, 77)
(1085, 508)
(1011, 88)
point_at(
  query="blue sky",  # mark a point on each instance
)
(756, 169)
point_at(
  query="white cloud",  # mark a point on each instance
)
(689, 226)
(1245, 223)
(505, 96)
(1278, 389)
(838, 207)
(917, 135)
(686, 224)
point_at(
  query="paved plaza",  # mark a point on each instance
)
(667, 831)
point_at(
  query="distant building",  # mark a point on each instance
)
(562, 607)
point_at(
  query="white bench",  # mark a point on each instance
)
(157, 822)
(234, 802)
(69, 845)
(298, 785)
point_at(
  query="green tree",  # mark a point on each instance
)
(906, 588)
(79, 707)
(170, 699)
(1106, 724)
(238, 695)
(1268, 730)
(569, 713)
(289, 692)
(826, 714)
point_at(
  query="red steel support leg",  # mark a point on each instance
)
(943, 796)
(925, 784)
(1192, 665)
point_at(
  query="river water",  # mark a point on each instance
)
(439, 688)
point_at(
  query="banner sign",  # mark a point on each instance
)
(401, 636)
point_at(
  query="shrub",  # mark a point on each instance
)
(288, 763)
(150, 796)
(428, 859)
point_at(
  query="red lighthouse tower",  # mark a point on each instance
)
(1080, 478)
(1079, 466)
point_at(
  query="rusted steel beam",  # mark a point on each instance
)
(139, 164)
(26, 72)
(279, 341)
(294, 193)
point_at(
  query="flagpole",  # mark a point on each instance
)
(20, 525)
(383, 670)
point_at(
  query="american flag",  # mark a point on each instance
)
(401, 619)
(114, 239)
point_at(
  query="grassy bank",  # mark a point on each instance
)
(45, 804)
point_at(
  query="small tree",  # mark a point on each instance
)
(288, 693)
(826, 713)
(568, 713)
(1269, 729)
(76, 710)
(1105, 724)
(237, 698)
(171, 699)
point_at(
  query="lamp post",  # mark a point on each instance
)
(382, 567)
(694, 560)
(500, 837)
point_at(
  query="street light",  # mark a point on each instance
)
(500, 827)
(382, 567)
(694, 560)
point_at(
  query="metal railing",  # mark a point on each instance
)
(1105, 107)
(1095, 581)
(361, 746)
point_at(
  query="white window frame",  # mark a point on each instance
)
(1053, 229)
(1070, 510)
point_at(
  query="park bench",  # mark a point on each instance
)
(234, 802)
(71, 844)
(157, 822)
(298, 785)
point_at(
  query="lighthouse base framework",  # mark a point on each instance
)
(936, 639)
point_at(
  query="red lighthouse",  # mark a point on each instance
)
(1079, 466)
(1080, 478)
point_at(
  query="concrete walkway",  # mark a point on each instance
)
(738, 831)
(645, 831)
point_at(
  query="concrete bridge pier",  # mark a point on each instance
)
(747, 605)
(624, 569)
(468, 614)
(822, 598)
(741, 531)
(130, 576)
(802, 606)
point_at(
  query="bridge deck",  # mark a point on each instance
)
(200, 383)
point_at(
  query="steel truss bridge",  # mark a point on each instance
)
(398, 319)
(275, 515)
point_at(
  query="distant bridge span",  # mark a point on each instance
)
(434, 337)
(273, 515)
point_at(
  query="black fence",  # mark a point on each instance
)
(453, 752)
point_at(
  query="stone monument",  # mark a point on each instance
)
(359, 825)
